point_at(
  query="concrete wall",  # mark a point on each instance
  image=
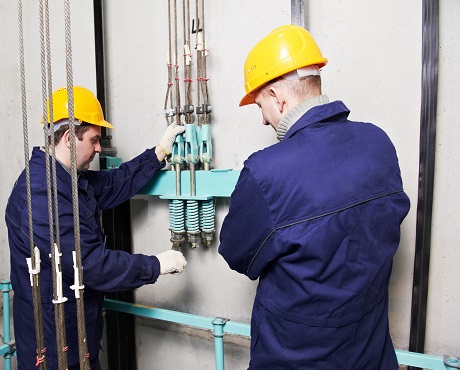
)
(374, 52)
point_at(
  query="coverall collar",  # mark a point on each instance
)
(298, 111)
(317, 114)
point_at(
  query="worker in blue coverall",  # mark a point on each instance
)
(315, 217)
(104, 270)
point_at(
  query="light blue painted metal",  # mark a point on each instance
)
(7, 349)
(191, 144)
(176, 216)
(213, 183)
(112, 162)
(192, 218)
(452, 361)
(202, 322)
(220, 326)
(421, 360)
(207, 216)
(205, 144)
(178, 150)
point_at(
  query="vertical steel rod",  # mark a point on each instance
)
(298, 13)
(430, 58)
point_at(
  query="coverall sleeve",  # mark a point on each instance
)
(104, 270)
(116, 186)
(246, 238)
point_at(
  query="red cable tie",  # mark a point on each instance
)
(188, 80)
(65, 349)
(40, 360)
(202, 79)
(87, 355)
(177, 78)
(170, 84)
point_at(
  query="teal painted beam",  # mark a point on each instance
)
(198, 321)
(213, 183)
(421, 360)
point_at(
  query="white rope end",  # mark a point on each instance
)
(57, 263)
(36, 270)
(76, 277)
(188, 56)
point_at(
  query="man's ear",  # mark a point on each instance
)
(277, 94)
(66, 138)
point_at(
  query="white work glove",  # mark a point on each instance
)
(169, 136)
(171, 262)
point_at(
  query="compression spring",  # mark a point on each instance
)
(176, 216)
(192, 219)
(207, 216)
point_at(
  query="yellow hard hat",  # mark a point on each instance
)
(86, 107)
(285, 49)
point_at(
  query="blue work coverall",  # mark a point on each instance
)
(104, 270)
(316, 217)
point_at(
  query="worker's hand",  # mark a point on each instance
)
(171, 262)
(169, 136)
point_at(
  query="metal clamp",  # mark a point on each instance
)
(188, 108)
(169, 112)
(179, 111)
(12, 345)
(203, 108)
(453, 362)
(219, 321)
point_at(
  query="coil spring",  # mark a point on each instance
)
(192, 219)
(207, 215)
(176, 216)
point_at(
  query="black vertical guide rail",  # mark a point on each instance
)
(430, 59)
(121, 351)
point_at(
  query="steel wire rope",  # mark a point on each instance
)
(169, 92)
(78, 284)
(206, 207)
(45, 53)
(176, 206)
(34, 267)
(204, 78)
(187, 62)
(176, 66)
(199, 46)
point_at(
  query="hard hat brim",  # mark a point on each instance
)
(247, 99)
(105, 124)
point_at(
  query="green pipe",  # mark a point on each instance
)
(218, 324)
(8, 346)
(221, 326)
